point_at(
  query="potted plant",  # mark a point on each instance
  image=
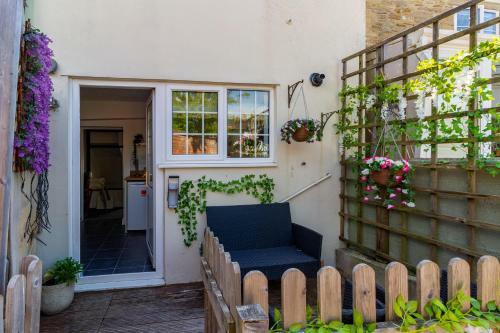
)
(58, 287)
(300, 130)
(387, 180)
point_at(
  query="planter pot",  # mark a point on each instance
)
(57, 298)
(383, 177)
(301, 134)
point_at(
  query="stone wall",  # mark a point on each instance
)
(385, 18)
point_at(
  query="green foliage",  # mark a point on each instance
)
(450, 317)
(64, 271)
(316, 325)
(453, 121)
(289, 128)
(192, 198)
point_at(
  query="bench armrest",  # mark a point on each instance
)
(307, 240)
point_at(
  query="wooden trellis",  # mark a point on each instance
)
(370, 62)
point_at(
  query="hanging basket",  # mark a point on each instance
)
(301, 134)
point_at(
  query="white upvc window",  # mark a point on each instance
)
(462, 19)
(220, 125)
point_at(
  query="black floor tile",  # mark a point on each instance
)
(108, 254)
(130, 269)
(102, 264)
(94, 272)
(126, 262)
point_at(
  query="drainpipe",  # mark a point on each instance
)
(11, 22)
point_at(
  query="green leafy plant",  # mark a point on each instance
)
(449, 316)
(192, 198)
(63, 271)
(316, 325)
(291, 126)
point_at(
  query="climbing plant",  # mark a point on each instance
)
(193, 193)
(453, 88)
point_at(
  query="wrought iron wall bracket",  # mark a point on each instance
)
(291, 90)
(325, 116)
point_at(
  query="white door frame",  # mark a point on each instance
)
(159, 126)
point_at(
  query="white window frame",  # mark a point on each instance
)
(482, 10)
(221, 159)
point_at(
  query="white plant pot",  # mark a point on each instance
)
(57, 298)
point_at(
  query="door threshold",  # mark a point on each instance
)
(117, 281)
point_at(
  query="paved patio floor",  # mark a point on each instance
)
(177, 308)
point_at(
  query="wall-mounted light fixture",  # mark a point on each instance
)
(173, 191)
(317, 79)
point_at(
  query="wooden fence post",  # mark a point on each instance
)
(31, 268)
(396, 283)
(363, 282)
(329, 287)
(293, 297)
(14, 305)
(255, 290)
(252, 319)
(428, 283)
(459, 279)
(488, 275)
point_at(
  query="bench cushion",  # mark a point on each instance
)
(273, 262)
(246, 227)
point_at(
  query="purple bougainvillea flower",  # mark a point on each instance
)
(32, 137)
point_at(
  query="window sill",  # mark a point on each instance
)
(200, 165)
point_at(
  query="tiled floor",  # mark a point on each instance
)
(107, 249)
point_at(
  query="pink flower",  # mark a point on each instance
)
(399, 189)
(392, 195)
(406, 169)
(383, 165)
(366, 199)
(398, 178)
(363, 179)
(368, 188)
(390, 206)
(404, 203)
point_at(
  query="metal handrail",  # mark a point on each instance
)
(299, 192)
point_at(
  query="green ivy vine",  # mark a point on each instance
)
(193, 193)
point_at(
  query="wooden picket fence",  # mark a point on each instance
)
(23, 299)
(233, 307)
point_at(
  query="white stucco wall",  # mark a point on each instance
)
(224, 41)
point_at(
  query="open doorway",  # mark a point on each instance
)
(116, 199)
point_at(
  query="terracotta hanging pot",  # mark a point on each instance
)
(301, 134)
(383, 177)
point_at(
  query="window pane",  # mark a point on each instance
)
(263, 123)
(262, 147)
(210, 102)
(247, 146)
(233, 146)
(195, 144)
(195, 101)
(492, 30)
(194, 123)
(233, 101)
(247, 123)
(178, 100)
(211, 147)
(252, 121)
(179, 144)
(210, 123)
(248, 101)
(179, 122)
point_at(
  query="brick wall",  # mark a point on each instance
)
(385, 18)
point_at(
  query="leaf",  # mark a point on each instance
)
(335, 325)
(324, 330)
(397, 310)
(371, 327)
(428, 310)
(491, 306)
(475, 303)
(358, 318)
(277, 314)
(295, 328)
(412, 306)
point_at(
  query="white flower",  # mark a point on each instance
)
(405, 191)
(377, 197)
(365, 172)
(398, 163)
(385, 111)
(369, 161)
(374, 187)
(411, 204)
(420, 105)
